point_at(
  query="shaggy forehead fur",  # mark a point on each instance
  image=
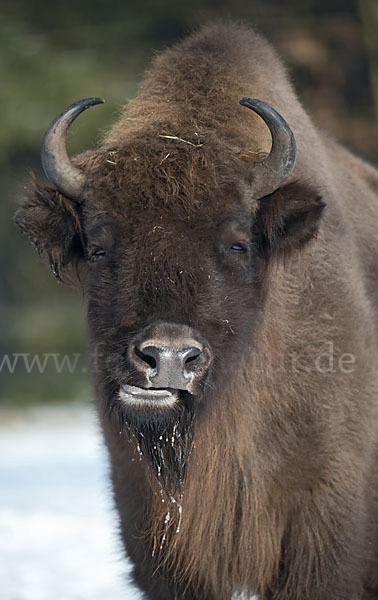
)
(195, 176)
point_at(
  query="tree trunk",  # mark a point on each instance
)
(369, 19)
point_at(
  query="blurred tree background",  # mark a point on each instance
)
(54, 53)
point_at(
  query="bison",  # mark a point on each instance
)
(231, 261)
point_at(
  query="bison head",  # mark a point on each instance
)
(177, 233)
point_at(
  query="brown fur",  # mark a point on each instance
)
(280, 449)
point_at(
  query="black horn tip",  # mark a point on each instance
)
(96, 100)
(249, 102)
(245, 101)
(70, 113)
(87, 102)
(264, 110)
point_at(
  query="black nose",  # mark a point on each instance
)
(171, 366)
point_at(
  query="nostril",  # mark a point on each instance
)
(193, 355)
(150, 360)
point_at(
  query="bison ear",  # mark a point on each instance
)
(52, 223)
(287, 219)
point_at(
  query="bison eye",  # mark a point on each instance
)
(97, 254)
(239, 247)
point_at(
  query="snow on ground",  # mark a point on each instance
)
(58, 538)
(58, 528)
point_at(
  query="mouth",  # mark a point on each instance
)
(132, 395)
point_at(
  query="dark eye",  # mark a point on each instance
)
(97, 254)
(239, 247)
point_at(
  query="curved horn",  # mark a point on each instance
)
(67, 178)
(278, 166)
